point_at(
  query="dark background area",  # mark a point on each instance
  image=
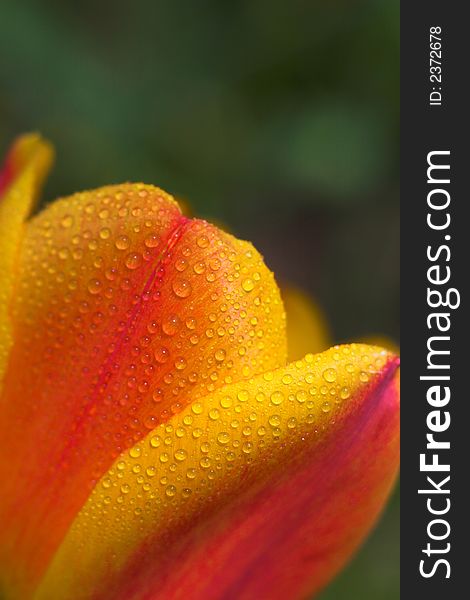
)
(280, 119)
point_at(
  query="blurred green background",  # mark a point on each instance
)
(280, 119)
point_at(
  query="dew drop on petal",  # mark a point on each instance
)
(122, 242)
(133, 261)
(248, 285)
(243, 395)
(151, 241)
(181, 455)
(220, 355)
(182, 288)
(66, 221)
(277, 398)
(94, 286)
(223, 438)
(135, 452)
(329, 375)
(161, 354)
(170, 325)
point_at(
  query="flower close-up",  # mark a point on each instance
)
(165, 433)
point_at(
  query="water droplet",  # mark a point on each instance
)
(67, 221)
(243, 395)
(170, 491)
(274, 420)
(199, 267)
(135, 452)
(197, 408)
(170, 325)
(215, 264)
(205, 462)
(180, 363)
(133, 261)
(214, 414)
(94, 286)
(181, 455)
(182, 288)
(151, 241)
(191, 473)
(292, 423)
(247, 447)
(157, 395)
(329, 375)
(191, 323)
(226, 402)
(220, 355)
(150, 422)
(248, 285)
(181, 264)
(161, 354)
(223, 438)
(155, 441)
(277, 398)
(105, 233)
(63, 253)
(122, 242)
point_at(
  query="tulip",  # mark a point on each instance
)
(155, 442)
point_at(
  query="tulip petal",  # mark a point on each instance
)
(21, 178)
(260, 490)
(125, 312)
(307, 329)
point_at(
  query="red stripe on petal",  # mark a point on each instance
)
(289, 538)
(91, 321)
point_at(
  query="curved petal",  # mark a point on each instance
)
(307, 328)
(125, 311)
(21, 178)
(260, 490)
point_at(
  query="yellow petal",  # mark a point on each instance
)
(226, 445)
(26, 166)
(307, 329)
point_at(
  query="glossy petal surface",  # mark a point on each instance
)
(125, 312)
(261, 489)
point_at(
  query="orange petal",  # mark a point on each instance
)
(21, 177)
(261, 490)
(307, 328)
(125, 311)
